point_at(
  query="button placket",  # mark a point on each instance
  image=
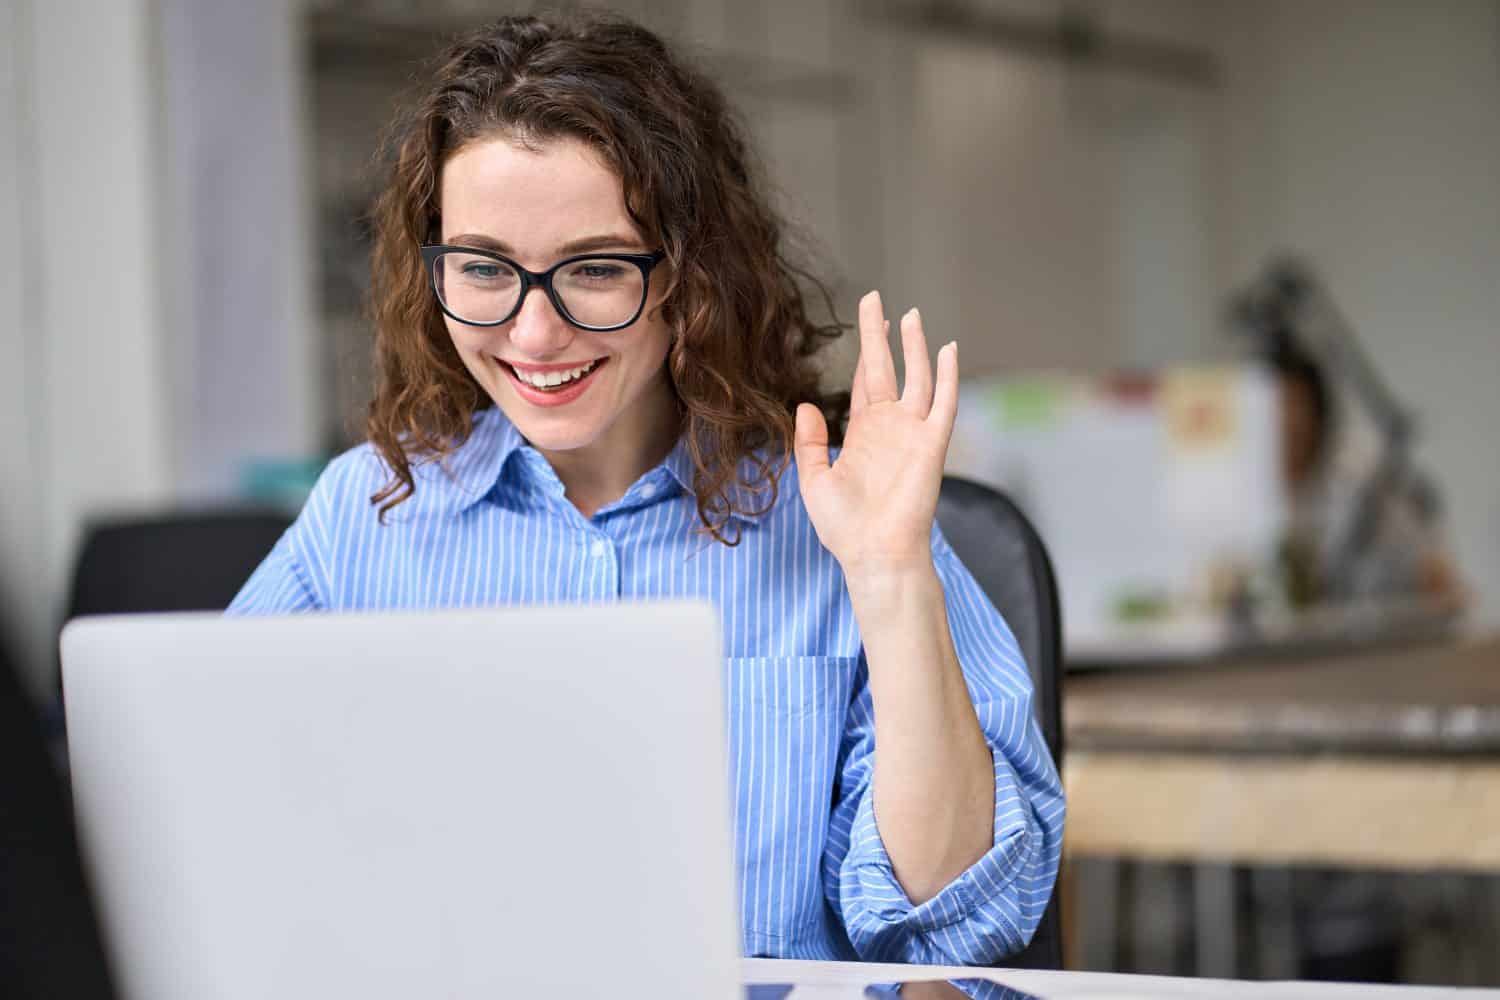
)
(604, 568)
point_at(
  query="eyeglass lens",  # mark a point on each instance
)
(593, 291)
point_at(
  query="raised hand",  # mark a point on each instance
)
(873, 507)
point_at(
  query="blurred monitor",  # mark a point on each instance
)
(1162, 502)
(1158, 496)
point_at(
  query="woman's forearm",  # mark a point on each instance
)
(934, 782)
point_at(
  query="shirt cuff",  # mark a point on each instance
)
(984, 894)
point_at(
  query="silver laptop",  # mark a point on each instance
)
(503, 803)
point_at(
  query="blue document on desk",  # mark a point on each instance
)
(955, 989)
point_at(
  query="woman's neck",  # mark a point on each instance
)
(599, 473)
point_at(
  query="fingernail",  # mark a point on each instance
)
(916, 313)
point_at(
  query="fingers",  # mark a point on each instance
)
(917, 395)
(810, 441)
(945, 395)
(875, 351)
(857, 395)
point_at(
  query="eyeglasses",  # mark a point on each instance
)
(597, 292)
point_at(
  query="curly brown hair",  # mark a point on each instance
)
(742, 353)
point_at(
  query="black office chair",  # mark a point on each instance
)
(171, 562)
(50, 943)
(1002, 550)
(176, 561)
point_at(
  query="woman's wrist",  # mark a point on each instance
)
(885, 582)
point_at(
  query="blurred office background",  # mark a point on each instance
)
(1072, 190)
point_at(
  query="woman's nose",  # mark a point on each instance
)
(537, 329)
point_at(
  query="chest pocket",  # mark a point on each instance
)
(786, 718)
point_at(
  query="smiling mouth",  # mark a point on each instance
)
(554, 381)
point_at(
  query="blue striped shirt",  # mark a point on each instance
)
(815, 879)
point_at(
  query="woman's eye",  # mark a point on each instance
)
(598, 271)
(486, 271)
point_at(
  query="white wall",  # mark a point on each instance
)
(240, 281)
(1049, 214)
(138, 368)
(85, 425)
(1365, 134)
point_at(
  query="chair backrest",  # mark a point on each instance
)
(172, 562)
(998, 545)
(49, 938)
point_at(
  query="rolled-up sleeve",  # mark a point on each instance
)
(992, 909)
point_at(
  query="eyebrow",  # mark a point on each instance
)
(588, 244)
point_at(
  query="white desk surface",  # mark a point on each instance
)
(840, 980)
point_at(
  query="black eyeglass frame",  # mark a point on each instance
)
(543, 280)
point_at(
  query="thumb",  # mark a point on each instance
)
(810, 441)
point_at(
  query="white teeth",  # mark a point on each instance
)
(545, 380)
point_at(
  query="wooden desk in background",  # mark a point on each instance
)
(1386, 758)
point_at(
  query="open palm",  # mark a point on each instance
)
(873, 507)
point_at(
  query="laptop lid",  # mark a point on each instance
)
(457, 804)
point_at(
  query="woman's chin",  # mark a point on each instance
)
(557, 442)
(550, 433)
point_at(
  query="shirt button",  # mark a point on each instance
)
(648, 490)
(600, 547)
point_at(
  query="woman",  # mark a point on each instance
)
(591, 354)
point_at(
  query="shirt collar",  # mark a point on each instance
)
(469, 472)
(495, 447)
(679, 463)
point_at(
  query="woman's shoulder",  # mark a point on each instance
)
(350, 478)
(438, 481)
